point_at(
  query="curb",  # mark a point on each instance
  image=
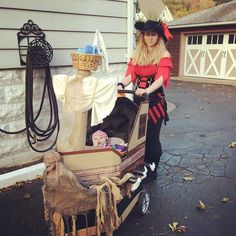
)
(24, 174)
(205, 80)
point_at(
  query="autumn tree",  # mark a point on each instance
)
(180, 8)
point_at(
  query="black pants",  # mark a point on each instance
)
(153, 148)
(157, 114)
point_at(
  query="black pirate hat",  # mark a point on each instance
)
(154, 26)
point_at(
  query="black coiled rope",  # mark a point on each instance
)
(39, 55)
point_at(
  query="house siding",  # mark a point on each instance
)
(67, 25)
(174, 49)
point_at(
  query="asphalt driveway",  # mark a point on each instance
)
(197, 164)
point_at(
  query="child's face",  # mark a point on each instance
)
(99, 141)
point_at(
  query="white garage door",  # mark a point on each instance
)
(211, 56)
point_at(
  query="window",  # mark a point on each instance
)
(209, 39)
(232, 39)
(142, 126)
(199, 41)
(189, 39)
(221, 38)
(194, 39)
(215, 39)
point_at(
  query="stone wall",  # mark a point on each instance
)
(14, 148)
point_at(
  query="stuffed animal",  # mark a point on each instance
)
(88, 49)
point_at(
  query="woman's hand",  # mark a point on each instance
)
(119, 87)
(139, 92)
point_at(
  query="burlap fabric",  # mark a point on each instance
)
(66, 194)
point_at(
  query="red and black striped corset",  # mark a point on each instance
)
(144, 82)
(157, 102)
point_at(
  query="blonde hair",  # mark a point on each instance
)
(142, 56)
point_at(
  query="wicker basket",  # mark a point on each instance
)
(85, 61)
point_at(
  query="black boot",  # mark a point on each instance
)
(151, 176)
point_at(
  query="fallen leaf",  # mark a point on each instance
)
(27, 196)
(232, 144)
(173, 226)
(188, 178)
(181, 229)
(38, 176)
(223, 156)
(201, 205)
(225, 199)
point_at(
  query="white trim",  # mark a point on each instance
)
(169, 16)
(202, 24)
(130, 28)
(24, 174)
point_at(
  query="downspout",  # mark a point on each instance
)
(130, 28)
(130, 36)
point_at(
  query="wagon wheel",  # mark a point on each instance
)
(143, 202)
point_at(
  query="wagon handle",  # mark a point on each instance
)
(126, 91)
(145, 96)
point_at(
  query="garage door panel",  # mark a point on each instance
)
(230, 67)
(213, 57)
(192, 63)
(232, 73)
(212, 63)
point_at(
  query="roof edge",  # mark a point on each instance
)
(202, 24)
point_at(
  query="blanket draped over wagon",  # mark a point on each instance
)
(83, 93)
(66, 194)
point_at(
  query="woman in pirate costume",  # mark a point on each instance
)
(149, 71)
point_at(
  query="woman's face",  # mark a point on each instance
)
(150, 38)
